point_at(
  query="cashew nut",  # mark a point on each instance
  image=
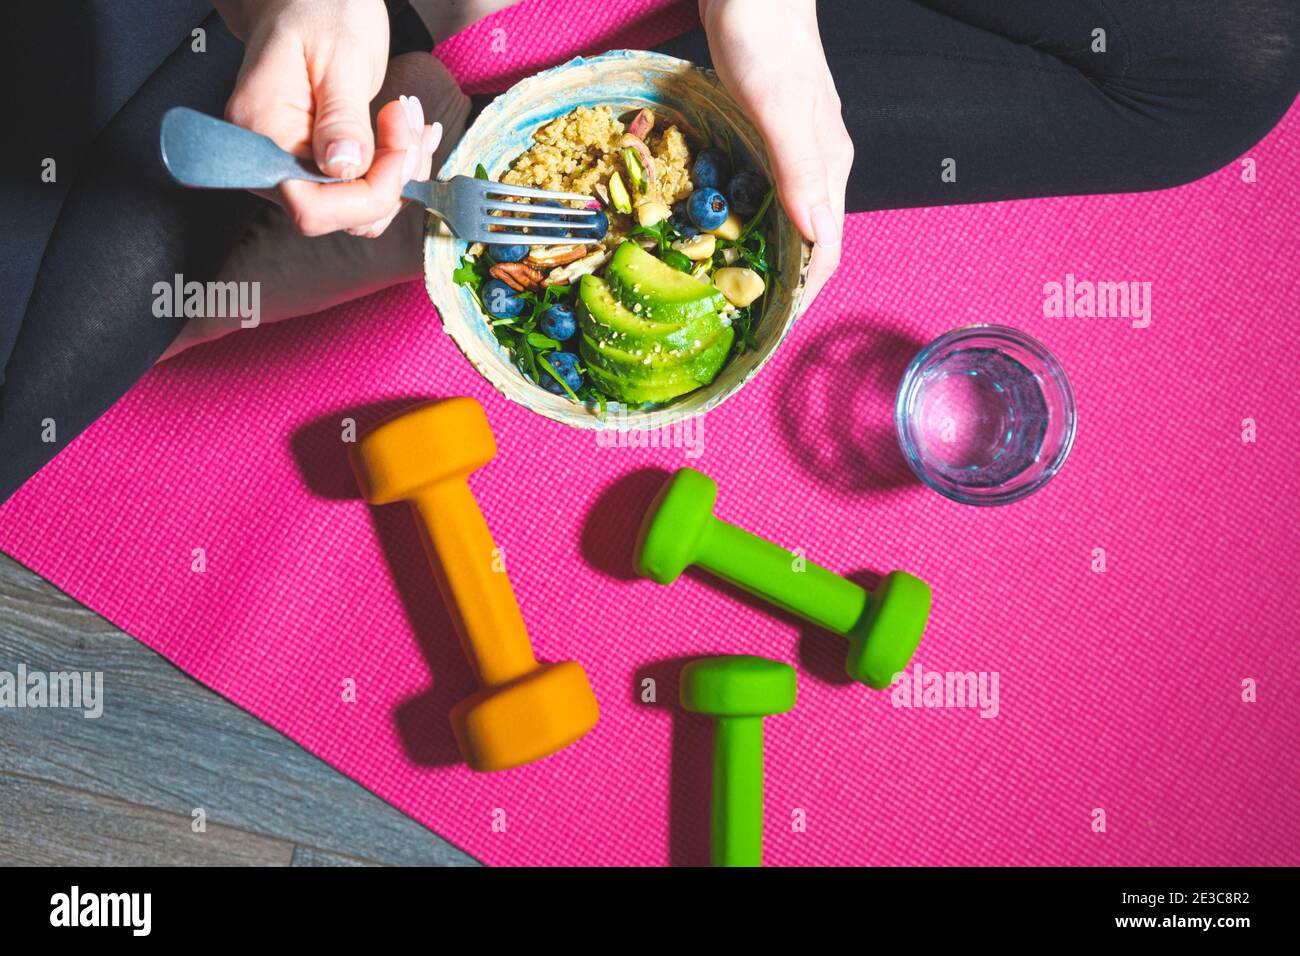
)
(730, 229)
(651, 212)
(740, 286)
(697, 247)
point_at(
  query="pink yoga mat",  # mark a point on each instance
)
(1120, 692)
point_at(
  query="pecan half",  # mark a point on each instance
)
(550, 256)
(518, 275)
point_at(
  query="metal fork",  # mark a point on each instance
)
(202, 151)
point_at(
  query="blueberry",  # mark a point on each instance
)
(553, 230)
(682, 219)
(566, 364)
(559, 322)
(504, 253)
(708, 208)
(501, 300)
(583, 226)
(746, 189)
(710, 169)
(551, 216)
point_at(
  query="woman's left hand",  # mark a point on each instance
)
(769, 54)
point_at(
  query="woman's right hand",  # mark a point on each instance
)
(769, 54)
(310, 71)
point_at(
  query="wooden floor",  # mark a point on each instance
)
(124, 788)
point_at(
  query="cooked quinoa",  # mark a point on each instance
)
(658, 290)
(576, 151)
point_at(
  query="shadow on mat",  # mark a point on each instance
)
(691, 771)
(322, 458)
(610, 528)
(836, 407)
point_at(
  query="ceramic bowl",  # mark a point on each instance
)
(626, 80)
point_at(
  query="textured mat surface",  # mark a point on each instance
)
(1118, 691)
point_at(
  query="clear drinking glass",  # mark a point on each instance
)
(985, 415)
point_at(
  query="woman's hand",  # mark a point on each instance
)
(311, 68)
(769, 55)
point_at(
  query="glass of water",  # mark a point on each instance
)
(985, 415)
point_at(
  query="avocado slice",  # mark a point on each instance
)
(605, 319)
(649, 332)
(659, 387)
(638, 382)
(664, 294)
(701, 362)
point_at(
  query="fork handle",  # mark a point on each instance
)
(205, 152)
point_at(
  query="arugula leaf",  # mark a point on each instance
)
(480, 172)
(678, 261)
(742, 320)
(468, 273)
(539, 341)
(589, 393)
(753, 251)
(758, 216)
(662, 232)
(472, 273)
(527, 358)
(541, 360)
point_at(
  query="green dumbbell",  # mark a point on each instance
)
(739, 691)
(883, 627)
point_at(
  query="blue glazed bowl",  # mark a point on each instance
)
(625, 80)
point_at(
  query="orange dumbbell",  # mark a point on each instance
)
(525, 710)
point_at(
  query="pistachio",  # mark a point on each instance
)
(635, 173)
(697, 247)
(730, 229)
(740, 286)
(618, 193)
(651, 212)
(643, 158)
(641, 124)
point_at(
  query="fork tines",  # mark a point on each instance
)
(542, 223)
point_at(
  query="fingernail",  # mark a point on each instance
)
(408, 167)
(342, 153)
(414, 114)
(433, 138)
(826, 229)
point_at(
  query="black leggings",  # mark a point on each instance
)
(1021, 98)
(1015, 98)
(87, 83)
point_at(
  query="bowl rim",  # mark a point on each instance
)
(640, 417)
(1056, 371)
